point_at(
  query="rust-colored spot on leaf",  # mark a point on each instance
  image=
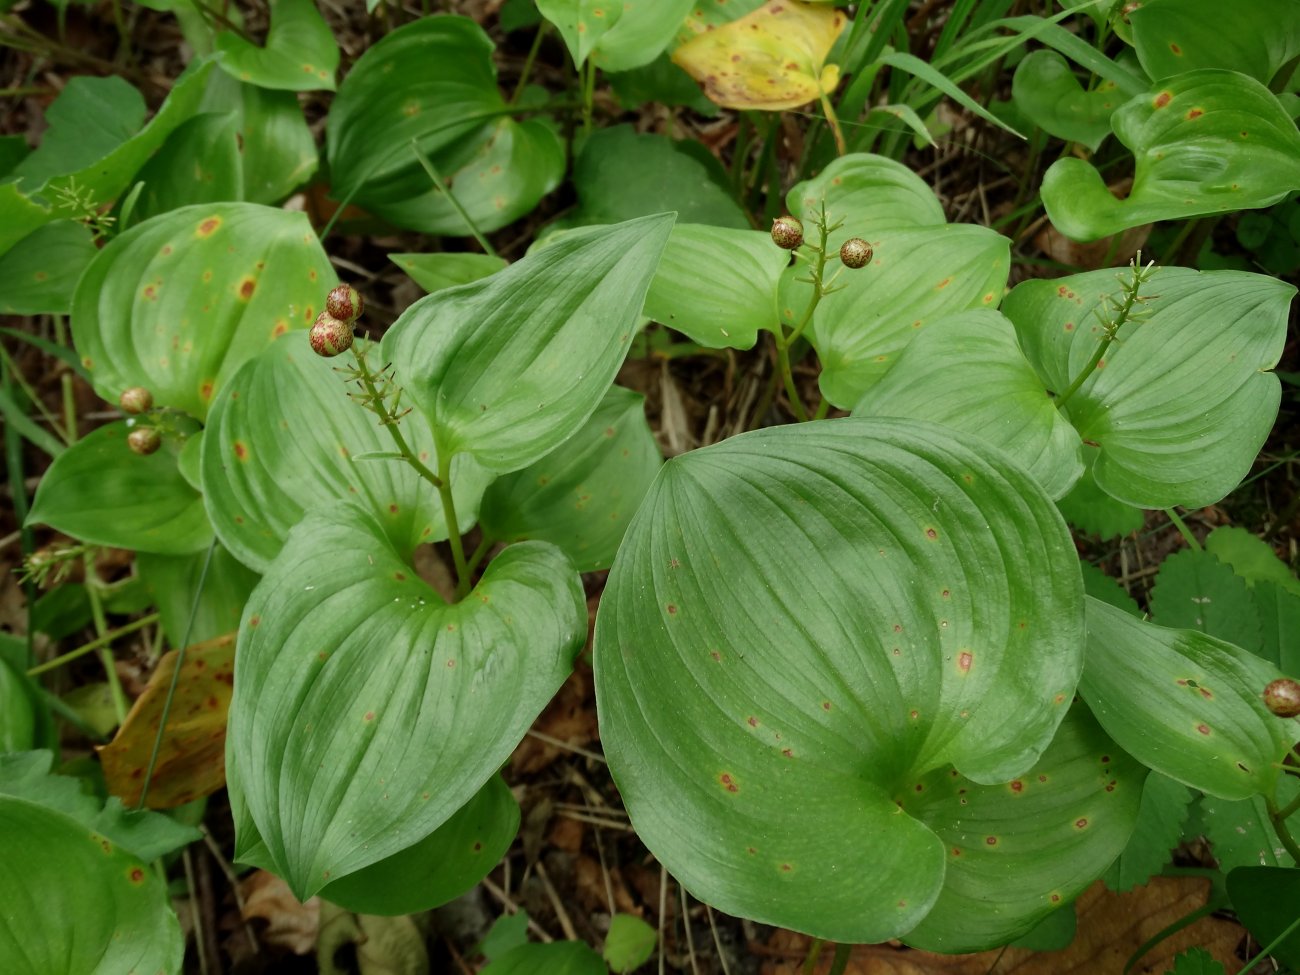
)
(1162, 99)
(1016, 786)
(964, 660)
(1203, 728)
(369, 716)
(208, 227)
(246, 288)
(728, 782)
(241, 450)
(1194, 113)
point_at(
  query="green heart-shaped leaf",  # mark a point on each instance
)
(199, 163)
(869, 193)
(100, 491)
(178, 303)
(582, 23)
(1184, 703)
(1017, 851)
(367, 711)
(442, 866)
(1181, 403)
(39, 277)
(581, 496)
(1205, 142)
(999, 398)
(1175, 36)
(86, 904)
(90, 118)
(644, 29)
(300, 52)
(915, 277)
(803, 621)
(1046, 90)
(282, 441)
(509, 367)
(716, 285)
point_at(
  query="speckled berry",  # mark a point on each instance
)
(345, 303)
(144, 440)
(1282, 697)
(855, 252)
(787, 232)
(329, 336)
(136, 400)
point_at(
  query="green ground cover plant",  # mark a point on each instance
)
(855, 672)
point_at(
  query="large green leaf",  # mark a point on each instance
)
(582, 23)
(38, 277)
(442, 866)
(432, 83)
(916, 277)
(104, 178)
(1267, 901)
(621, 174)
(1255, 38)
(1046, 90)
(999, 398)
(435, 272)
(1184, 703)
(1050, 829)
(179, 302)
(1240, 832)
(300, 52)
(644, 29)
(1182, 402)
(101, 492)
(869, 193)
(581, 496)
(1160, 820)
(74, 903)
(367, 711)
(199, 163)
(283, 440)
(90, 118)
(509, 367)
(801, 623)
(1205, 142)
(716, 285)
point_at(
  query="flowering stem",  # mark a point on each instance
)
(376, 402)
(817, 270)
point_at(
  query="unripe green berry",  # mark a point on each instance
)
(1282, 697)
(855, 253)
(787, 232)
(329, 336)
(136, 400)
(144, 440)
(345, 303)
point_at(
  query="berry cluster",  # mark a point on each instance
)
(332, 332)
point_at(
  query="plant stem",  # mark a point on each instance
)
(445, 191)
(542, 30)
(388, 420)
(1290, 809)
(65, 380)
(1183, 530)
(176, 674)
(120, 703)
(93, 645)
(833, 120)
(1280, 828)
(1264, 952)
(1132, 295)
(453, 526)
(587, 75)
(482, 550)
(810, 963)
(817, 270)
(787, 377)
(841, 962)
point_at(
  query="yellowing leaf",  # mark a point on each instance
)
(772, 59)
(192, 760)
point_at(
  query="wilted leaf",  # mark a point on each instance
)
(773, 58)
(290, 923)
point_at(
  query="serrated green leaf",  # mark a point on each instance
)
(1196, 961)
(1205, 142)
(1000, 399)
(629, 943)
(1278, 611)
(172, 582)
(38, 276)
(1093, 511)
(620, 175)
(761, 658)
(436, 272)
(1267, 901)
(300, 53)
(345, 756)
(1195, 591)
(90, 118)
(1050, 828)
(509, 367)
(1184, 703)
(916, 277)
(644, 30)
(199, 163)
(557, 958)
(1240, 832)
(1181, 402)
(442, 866)
(582, 23)
(1159, 826)
(268, 459)
(51, 868)
(1250, 557)
(869, 193)
(1175, 36)
(177, 304)
(104, 178)
(717, 286)
(581, 496)
(1098, 585)
(1046, 90)
(508, 932)
(101, 492)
